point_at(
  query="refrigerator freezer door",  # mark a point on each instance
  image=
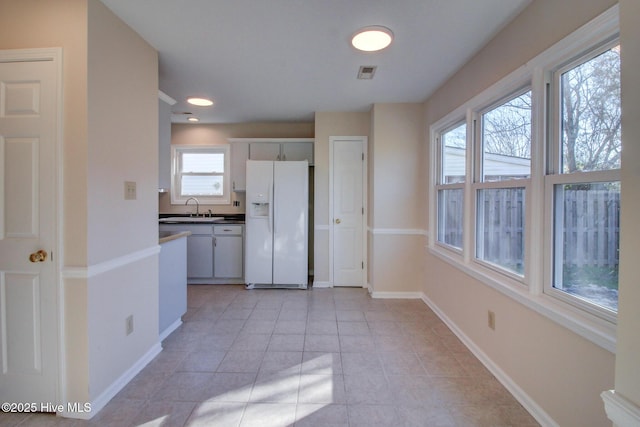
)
(259, 240)
(290, 221)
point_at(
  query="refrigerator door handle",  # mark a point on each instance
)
(270, 214)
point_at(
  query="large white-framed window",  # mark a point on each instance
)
(583, 184)
(501, 182)
(450, 185)
(202, 172)
(540, 192)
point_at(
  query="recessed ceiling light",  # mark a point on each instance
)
(200, 102)
(193, 119)
(371, 39)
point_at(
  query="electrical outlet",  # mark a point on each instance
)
(129, 190)
(491, 320)
(129, 324)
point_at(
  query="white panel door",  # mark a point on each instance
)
(28, 297)
(348, 212)
(290, 223)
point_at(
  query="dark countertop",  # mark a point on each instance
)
(226, 219)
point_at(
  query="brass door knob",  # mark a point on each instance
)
(39, 256)
(338, 221)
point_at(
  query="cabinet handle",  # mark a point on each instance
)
(215, 241)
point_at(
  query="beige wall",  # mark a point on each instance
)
(563, 373)
(329, 124)
(123, 146)
(397, 188)
(628, 351)
(398, 185)
(218, 134)
(123, 137)
(544, 23)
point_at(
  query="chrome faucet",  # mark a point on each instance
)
(197, 205)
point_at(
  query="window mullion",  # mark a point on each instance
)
(536, 206)
(469, 193)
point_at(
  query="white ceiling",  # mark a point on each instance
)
(283, 60)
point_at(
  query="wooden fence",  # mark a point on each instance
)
(591, 225)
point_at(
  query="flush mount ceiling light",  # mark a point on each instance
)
(193, 119)
(200, 102)
(372, 39)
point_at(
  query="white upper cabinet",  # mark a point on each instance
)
(296, 151)
(264, 151)
(281, 149)
(239, 157)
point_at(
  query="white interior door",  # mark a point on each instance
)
(28, 296)
(348, 211)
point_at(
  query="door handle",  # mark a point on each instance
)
(39, 256)
(338, 221)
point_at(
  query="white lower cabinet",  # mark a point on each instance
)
(214, 252)
(228, 249)
(200, 256)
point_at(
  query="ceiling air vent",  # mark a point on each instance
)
(366, 72)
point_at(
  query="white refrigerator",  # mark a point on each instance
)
(276, 246)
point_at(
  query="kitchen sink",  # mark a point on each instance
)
(191, 219)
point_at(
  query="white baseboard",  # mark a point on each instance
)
(317, 284)
(175, 325)
(396, 295)
(525, 400)
(620, 410)
(101, 401)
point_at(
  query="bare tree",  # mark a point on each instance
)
(591, 113)
(507, 128)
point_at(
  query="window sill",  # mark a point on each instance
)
(588, 326)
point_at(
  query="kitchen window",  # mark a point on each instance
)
(201, 172)
(525, 193)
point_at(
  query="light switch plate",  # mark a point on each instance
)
(129, 190)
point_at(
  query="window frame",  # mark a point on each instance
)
(478, 184)
(440, 186)
(555, 176)
(531, 289)
(176, 174)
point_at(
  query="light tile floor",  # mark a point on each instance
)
(322, 357)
